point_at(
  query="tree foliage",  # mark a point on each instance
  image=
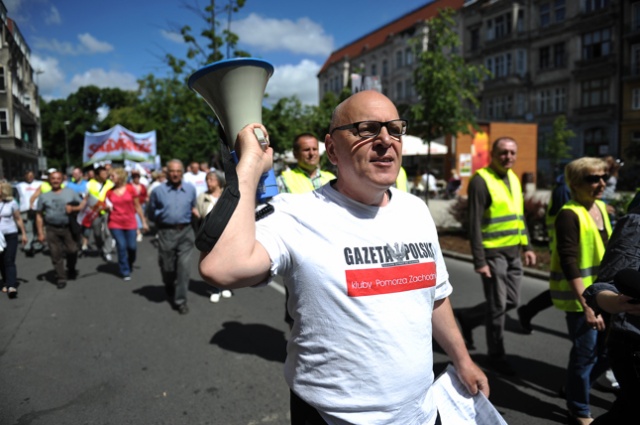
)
(206, 46)
(446, 85)
(557, 146)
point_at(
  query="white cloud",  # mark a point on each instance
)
(51, 77)
(53, 18)
(172, 36)
(301, 37)
(92, 45)
(299, 80)
(88, 45)
(102, 78)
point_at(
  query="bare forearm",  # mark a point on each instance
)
(446, 333)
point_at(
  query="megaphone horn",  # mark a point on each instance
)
(234, 89)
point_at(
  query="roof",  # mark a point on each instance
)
(378, 37)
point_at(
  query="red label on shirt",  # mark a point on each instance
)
(388, 280)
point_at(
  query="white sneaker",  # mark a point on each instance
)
(127, 278)
(607, 381)
(215, 297)
(139, 237)
(108, 258)
(226, 293)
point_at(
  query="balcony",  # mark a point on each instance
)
(18, 146)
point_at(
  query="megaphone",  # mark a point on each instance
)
(234, 89)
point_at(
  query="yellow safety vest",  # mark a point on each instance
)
(401, 181)
(503, 222)
(99, 190)
(591, 251)
(297, 181)
(46, 187)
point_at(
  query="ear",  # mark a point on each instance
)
(330, 148)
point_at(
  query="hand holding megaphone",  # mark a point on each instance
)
(255, 156)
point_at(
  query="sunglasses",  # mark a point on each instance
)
(595, 178)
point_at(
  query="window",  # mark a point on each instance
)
(3, 84)
(635, 99)
(635, 136)
(408, 57)
(399, 59)
(4, 122)
(500, 65)
(545, 15)
(544, 101)
(498, 107)
(385, 68)
(374, 69)
(558, 55)
(409, 90)
(474, 36)
(399, 90)
(499, 27)
(593, 5)
(635, 16)
(559, 10)
(520, 21)
(559, 100)
(635, 59)
(595, 143)
(503, 25)
(521, 62)
(520, 104)
(596, 44)
(595, 92)
(545, 57)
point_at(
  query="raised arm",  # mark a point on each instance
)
(238, 260)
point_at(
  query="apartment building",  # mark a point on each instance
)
(630, 82)
(384, 56)
(547, 58)
(578, 58)
(20, 131)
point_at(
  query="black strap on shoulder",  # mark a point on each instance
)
(216, 221)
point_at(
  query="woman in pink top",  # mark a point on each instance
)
(123, 204)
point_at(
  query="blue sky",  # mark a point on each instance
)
(114, 43)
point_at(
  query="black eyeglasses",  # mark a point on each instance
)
(595, 178)
(368, 129)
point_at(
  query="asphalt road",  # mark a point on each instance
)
(105, 351)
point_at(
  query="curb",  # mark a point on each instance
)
(528, 271)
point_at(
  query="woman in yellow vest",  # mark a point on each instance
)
(582, 229)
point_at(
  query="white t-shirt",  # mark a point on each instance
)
(25, 190)
(199, 181)
(7, 223)
(362, 283)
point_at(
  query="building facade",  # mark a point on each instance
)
(20, 131)
(549, 58)
(580, 59)
(385, 56)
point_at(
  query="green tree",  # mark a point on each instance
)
(557, 147)
(78, 113)
(206, 46)
(447, 86)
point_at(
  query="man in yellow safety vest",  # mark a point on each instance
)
(497, 234)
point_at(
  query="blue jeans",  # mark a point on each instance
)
(587, 361)
(8, 261)
(126, 247)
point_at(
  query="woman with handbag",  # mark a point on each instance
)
(10, 223)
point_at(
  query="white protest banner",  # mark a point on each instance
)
(118, 144)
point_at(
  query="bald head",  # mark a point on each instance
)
(362, 104)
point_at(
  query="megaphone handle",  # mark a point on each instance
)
(264, 142)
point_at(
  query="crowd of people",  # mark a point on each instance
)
(346, 313)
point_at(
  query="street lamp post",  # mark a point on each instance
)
(66, 145)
